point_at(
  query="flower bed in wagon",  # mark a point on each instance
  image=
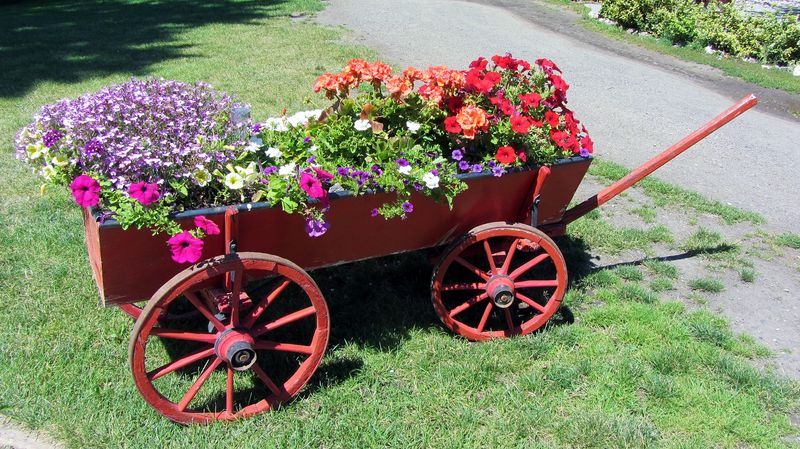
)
(144, 150)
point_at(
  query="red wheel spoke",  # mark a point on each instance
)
(466, 305)
(235, 293)
(530, 302)
(229, 392)
(256, 311)
(204, 310)
(195, 356)
(509, 319)
(528, 265)
(279, 392)
(477, 271)
(290, 318)
(485, 317)
(463, 286)
(187, 398)
(175, 334)
(286, 347)
(536, 284)
(488, 249)
(509, 256)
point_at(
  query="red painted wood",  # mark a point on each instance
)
(667, 155)
(130, 265)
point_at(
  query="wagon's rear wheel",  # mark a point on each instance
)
(498, 281)
(251, 345)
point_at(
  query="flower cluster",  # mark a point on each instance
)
(147, 148)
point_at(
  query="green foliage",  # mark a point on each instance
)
(706, 285)
(789, 239)
(720, 25)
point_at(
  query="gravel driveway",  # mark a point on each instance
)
(633, 101)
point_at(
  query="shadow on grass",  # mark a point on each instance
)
(69, 41)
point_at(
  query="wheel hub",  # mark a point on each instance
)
(500, 289)
(235, 347)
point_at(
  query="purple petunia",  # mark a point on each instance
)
(584, 152)
(374, 212)
(498, 171)
(51, 137)
(270, 170)
(402, 162)
(316, 228)
(457, 155)
(408, 207)
(463, 165)
(477, 168)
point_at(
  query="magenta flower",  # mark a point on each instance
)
(144, 192)
(206, 225)
(322, 174)
(185, 247)
(85, 190)
(316, 228)
(311, 186)
(374, 212)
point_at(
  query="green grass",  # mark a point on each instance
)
(661, 268)
(602, 236)
(706, 285)
(667, 194)
(661, 285)
(629, 273)
(789, 239)
(646, 213)
(630, 371)
(747, 275)
(752, 72)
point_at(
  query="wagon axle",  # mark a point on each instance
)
(235, 346)
(500, 289)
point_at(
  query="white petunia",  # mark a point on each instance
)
(301, 118)
(361, 125)
(287, 170)
(412, 126)
(202, 177)
(48, 171)
(312, 149)
(254, 145)
(36, 151)
(405, 169)
(234, 181)
(60, 160)
(430, 180)
(274, 152)
(276, 124)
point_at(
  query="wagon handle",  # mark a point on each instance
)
(667, 155)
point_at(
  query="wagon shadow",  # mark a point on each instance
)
(69, 40)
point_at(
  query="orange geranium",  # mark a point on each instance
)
(380, 71)
(399, 86)
(471, 119)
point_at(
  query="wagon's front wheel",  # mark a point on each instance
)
(499, 280)
(259, 332)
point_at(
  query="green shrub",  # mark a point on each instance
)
(766, 38)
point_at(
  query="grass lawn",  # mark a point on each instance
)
(623, 366)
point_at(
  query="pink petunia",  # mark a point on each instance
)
(85, 190)
(312, 186)
(322, 174)
(206, 225)
(185, 247)
(144, 192)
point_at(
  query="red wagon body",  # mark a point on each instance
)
(115, 254)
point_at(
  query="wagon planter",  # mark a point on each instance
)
(249, 313)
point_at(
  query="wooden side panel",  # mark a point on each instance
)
(130, 265)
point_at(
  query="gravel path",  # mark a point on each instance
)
(634, 102)
(16, 437)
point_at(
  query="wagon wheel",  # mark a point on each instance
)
(498, 281)
(252, 347)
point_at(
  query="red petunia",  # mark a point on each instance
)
(520, 124)
(506, 62)
(551, 118)
(451, 125)
(206, 225)
(479, 63)
(587, 143)
(185, 247)
(559, 84)
(530, 100)
(547, 65)
(506, 155)
(522, 156)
